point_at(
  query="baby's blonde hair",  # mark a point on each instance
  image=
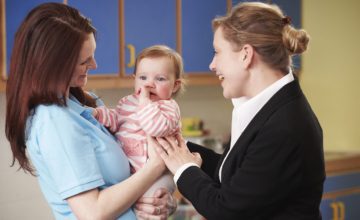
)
(157, 51)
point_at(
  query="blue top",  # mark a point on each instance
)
(73, 153)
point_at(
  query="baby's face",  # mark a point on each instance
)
(157, 75)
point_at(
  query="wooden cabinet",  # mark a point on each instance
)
(341, 199)
(125, 27)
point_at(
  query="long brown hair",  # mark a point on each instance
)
(265, 27)
(45, 52)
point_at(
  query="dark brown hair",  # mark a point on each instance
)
(264, 27)
(45, 52)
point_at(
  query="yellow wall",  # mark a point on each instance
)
(331, 69)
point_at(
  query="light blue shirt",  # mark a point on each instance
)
(73, 153)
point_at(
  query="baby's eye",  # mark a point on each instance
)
(161, 79)
(142, 77)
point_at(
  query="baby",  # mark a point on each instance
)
(150, 110)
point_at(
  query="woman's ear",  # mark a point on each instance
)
(247, 55)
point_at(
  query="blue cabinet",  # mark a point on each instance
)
(341, 199)
(105, 18)
(196, 32)
(15, 12)
(147, 23)
(125, 27)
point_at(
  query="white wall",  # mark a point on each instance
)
(20, 196)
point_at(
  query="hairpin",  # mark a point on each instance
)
(286, 20)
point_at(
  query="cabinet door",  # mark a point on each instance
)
(15, 13)
(197, 34)
(147, 23)
(326, 208)
(105, 18)
(342, 196)
(351, 206)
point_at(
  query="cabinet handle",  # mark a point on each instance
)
(334, 207)
(338, 210)
(342, 210)
(132, 55)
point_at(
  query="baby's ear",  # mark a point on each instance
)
(177, 85)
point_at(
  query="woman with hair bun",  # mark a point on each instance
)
(273, 167)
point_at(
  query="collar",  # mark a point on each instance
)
(245, 109)
(75, 105)
(266, 94)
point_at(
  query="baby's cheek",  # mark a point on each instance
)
(165, 91)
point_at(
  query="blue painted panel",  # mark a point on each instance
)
(148, 23)
(15, 13)
(104, 15)
(197, 34)
(352, 206)
(326, 209)
(342, 181)
(105, 18)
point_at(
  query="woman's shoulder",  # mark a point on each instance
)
(50, 113)
(41, 116)
(44, 110)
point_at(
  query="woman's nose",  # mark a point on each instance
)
(93, 64)
(212, 65)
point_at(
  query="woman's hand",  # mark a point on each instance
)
(158, 207)
(174, 152)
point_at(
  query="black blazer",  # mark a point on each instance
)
(274, 171)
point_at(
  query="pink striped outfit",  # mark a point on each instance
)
(131, 123)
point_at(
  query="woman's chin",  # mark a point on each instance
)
(82, 82)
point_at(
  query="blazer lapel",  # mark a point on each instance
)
(284, 95)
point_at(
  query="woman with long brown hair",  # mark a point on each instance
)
(81, 170)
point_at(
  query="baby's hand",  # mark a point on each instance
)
(144, 95)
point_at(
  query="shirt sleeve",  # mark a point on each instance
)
(182, 169)
(160, 118)
(108, 117)
(68, 153)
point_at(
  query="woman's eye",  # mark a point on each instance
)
(87, 61)
(84, 63)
